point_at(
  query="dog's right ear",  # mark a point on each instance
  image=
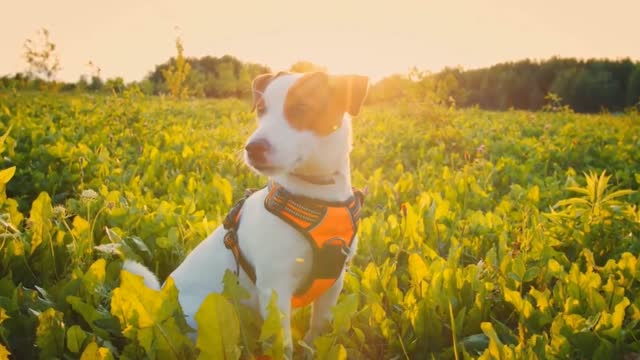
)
(258, 86)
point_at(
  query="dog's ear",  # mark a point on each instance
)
(258, 86)
(350, 91)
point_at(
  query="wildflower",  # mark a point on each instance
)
(89, 194)
(59, 210)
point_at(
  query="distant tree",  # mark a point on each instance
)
(306, 66)
(82, 84)
(564, 84)
(115, 85)
(586, 86)
(41, 57)
(226, 82)
(633, 88)
(146, 86)
(176, 75)
(447, 86)
(390, 88)
(96, 83)
(212, 76)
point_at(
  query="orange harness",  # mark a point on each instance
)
(330, 228)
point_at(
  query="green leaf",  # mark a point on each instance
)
(93, 352)
(534, 194)
(163, 242)
(572, 201)
(153, 317)
(518, 267)
(523, 306)
(135, 304)
(173, 236)
(618, 313)
(81, 228)
(514, 276)
(271, 334)
(417, 268)
(327, 349)
(90, 314)
(4, 353)
(4, 136)
(555, 267)
(7, 174)
(218, 329)
(3, 315)
(476, 343)
(495, 345)
(232, 289)
(531, 273)
(578, 190)
(50, 334)
(337, 352)
(343, 313)
(75, 338)
(95, 276)
(617, 194)
(225, 188)
(39, 219)
(542, 298)
(603, 183)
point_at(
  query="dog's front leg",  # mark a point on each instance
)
(321, 311)
(284, 293)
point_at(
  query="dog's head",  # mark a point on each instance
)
(303, 125)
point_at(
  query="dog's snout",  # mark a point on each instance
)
(257, 149)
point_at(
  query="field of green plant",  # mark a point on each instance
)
(485, 235)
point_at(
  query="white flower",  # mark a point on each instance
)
(89, 194)
(59, 210)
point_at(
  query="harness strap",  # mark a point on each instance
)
(231, 223)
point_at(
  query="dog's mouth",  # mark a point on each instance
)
(266, 169)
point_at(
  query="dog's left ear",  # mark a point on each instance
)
(258, 86)
(350, 90)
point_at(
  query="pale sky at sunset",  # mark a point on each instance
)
(376, 38)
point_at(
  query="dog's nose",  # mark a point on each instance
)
(257, 149)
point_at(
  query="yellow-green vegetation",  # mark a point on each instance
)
(485, 235)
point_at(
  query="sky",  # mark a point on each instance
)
(128, 38)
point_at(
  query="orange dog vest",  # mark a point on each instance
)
(330, 228)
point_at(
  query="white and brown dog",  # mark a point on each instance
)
(302, 144)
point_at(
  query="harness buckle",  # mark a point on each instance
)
(231, 239)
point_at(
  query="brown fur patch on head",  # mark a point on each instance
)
(317, 101)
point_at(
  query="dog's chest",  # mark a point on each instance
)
(272, 246)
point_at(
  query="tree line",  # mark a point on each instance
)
(584, 85)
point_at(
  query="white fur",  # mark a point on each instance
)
(272, 246)
(149, 278)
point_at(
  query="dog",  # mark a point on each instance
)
(302, 144)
